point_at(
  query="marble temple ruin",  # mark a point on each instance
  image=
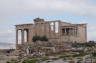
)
(55, 30)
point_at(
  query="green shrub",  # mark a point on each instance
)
(39, 38)
(94, 54)
(43, 38)
(30, 61)
(44, 59)
(7, 62)
(35, 38)
(11, 62)
(64, 56)
(79, 55)
(55, 58)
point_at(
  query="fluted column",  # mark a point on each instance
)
(22, 35)
(71, 33)
(54, 27)
(16, 38)
(65, 32)
(75, 32)
(27, 35)
(49, 31)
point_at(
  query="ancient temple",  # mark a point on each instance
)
(54, 30)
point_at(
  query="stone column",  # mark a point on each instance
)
(22, 33)
(86, 33)
(16, 38)
(54, 27)
(71, 33)
(74, 32)
(65, 32)
(27, 35)
(59, 30)
(49, 31)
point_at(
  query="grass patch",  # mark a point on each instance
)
(44, 59)
(11, 62)
(30, 61)
(64, 56)
(55, 58)
(94, 54)
(78, 55)
(54, 54)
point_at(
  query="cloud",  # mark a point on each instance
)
(7, 36)
(7, 45)
(91, 30)
(21, 8)
(10, 8)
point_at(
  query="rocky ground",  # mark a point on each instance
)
(77, 54)
(67, 57)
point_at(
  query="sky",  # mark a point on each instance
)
(14, 12)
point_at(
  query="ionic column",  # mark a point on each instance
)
(65, 32)
(16, 38)
(54, 27)
(27, 35)
(71, 32)
(74, 32)
(49, 31)
(22, 37)
(54, 30)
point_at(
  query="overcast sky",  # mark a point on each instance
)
(14, 12)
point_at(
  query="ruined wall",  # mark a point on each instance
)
(82, 33)
(47, 28)
(78, 33)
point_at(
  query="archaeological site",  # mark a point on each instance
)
(56, 31)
